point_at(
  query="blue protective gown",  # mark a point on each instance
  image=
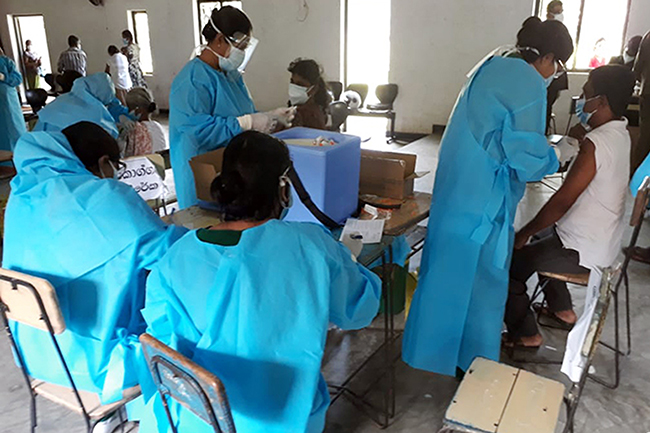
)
(264, 333)
(94, 240)
(12, 123)
(203, 108)
(494, 144)
(91, 99)
(639, 176)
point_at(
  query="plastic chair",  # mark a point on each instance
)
(189, 384)
(336, 87)
(36, 98)
(386, 93)
(339, 112)
(33, 302)
(361, 89)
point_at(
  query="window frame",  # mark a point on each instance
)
(541, 13)
(199, 27)
(134, 29)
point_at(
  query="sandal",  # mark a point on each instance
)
(516, 343)
(556, 322)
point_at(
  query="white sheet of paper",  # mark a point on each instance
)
(574, 363)
(141, 175)
(371, 230)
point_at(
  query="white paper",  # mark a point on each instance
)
(370, 230)
(574, 362)
(142, 176)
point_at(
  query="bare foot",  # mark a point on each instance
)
(568, 316)
(534, 341)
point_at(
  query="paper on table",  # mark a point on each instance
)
(370, 230)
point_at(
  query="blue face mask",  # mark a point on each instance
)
(584, 116)
(125, 41)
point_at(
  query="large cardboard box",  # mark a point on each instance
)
(387, 174)
(206, 167)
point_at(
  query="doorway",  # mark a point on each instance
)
(367, 61)
(32, 28)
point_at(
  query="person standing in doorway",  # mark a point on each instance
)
(642, 72)
(117, 67)
(555, 11)
(132, 52)
(32, 63)
(73, 59)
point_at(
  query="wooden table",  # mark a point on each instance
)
(414, 210)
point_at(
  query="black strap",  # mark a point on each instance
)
(305, 198)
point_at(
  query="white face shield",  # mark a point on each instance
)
(240, 41)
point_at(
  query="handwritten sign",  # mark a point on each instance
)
(141, 174)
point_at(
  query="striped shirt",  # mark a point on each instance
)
(73, 59)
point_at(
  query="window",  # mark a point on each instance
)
(205, 9)
(32, 28)
(140, 27)
(597, 27)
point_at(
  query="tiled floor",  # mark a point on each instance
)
(422, 397)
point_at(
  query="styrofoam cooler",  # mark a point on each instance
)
(330, 174)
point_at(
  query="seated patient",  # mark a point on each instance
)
(308, 92)
(251, 298)
(582, 224)
(147, 135)
(94, 239)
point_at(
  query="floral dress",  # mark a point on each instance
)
(132, 52)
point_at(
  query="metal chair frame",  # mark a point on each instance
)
(15, 282)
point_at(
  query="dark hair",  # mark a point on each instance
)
(248, 187)
(230, 20)
(616, 82)
(553, 4)
(90, 142)
(537, 39)
(112, 49)
(73, 41)
(28, 42)
(126, 34)
(312, 72)
(634, 43)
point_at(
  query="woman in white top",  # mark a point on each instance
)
(148, 135)
(581, 226)
(117, 67)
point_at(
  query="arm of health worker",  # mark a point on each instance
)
(12, 77)
(354, 290)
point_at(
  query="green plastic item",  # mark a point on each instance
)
(399, 276)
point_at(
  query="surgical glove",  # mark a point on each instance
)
(285, 116)
(126, 123)
(262, 122)
(2, 76)
(354, 242)
(566, 149)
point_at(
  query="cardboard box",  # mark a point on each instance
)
(206, 167)
(387, 174)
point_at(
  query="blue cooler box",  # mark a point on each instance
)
(330, 173)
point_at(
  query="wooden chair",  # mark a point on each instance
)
(33, 302)
(191, 385)
(497, 398)
(636, 222)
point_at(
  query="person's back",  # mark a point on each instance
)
(272, 287)
(93, 238)
(594, 225)
(73, 59)
(159, 140)
(119, 65)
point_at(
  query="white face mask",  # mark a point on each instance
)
(232, 62)
(298, 95)
(558, 17)
(627, 58)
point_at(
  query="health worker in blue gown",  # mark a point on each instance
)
(91, 99)
(12, 123)
(69, 221)
(209, 103)
(272, 288)
(493, 145)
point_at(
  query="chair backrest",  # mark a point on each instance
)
(36, 98)
(361, 89)
(387, 93)
(339, 112)
(31, 301)
(189, 384)
(336, 87)
(641, 203)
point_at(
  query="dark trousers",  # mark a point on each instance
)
(544, 254)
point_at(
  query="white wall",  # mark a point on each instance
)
(172, 26)
(433, 43)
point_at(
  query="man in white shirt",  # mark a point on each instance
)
(117, 67)
(581, 226)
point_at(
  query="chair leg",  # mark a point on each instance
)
(32, 410)
(626, 281)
